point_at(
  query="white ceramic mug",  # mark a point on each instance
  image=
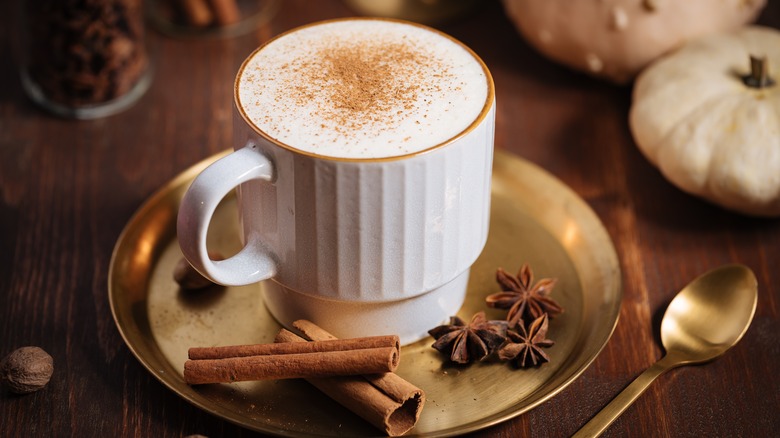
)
(359, 245)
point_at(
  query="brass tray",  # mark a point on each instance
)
(535, 219)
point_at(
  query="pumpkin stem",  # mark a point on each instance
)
(759, 73)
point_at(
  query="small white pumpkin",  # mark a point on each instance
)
(710, 133)
(615, 39)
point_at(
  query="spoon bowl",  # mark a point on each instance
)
(710, 314)
(705, 319)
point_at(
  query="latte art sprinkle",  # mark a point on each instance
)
(365, 84)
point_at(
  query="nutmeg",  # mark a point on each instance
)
(189, 278)
(26, 370)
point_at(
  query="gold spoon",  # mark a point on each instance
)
(704, 320)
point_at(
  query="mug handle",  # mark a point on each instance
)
(254, 262)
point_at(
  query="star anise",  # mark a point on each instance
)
(523, 300)
(464, 343)
(525, 346)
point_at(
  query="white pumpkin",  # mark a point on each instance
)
(711, 134)
(615, 39)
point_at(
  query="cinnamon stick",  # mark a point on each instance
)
(225, 11)
(197, 12)
(312, 330)
(385, 400)
(291, 366)
(390, 383)
(199, 353)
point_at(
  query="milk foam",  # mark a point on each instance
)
(362, 89)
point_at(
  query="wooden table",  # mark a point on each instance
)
(67, 188)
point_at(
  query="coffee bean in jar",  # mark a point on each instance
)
(84, 58)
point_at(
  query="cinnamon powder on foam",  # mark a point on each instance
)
(355, 85)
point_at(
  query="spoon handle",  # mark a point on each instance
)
(598, 424)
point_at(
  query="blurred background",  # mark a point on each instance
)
(89, 131)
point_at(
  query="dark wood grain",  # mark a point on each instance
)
(67, 188)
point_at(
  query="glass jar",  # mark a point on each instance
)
(84, 58)
(430, 12)
(210, 18)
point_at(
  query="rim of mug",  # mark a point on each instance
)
(489, 100)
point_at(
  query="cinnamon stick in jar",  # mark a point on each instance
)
(225, 11)
(197, 12)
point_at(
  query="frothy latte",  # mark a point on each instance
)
(362, 88)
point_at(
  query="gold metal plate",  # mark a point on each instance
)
(535, 219)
